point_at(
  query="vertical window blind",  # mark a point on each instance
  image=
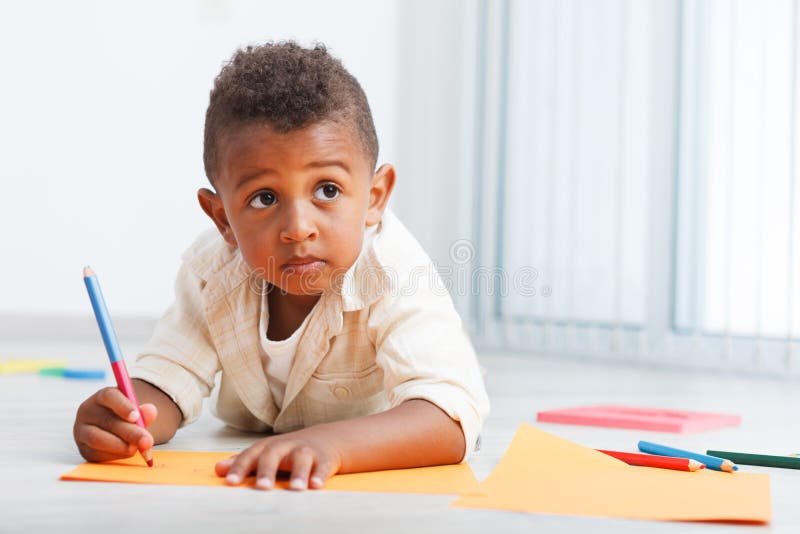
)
(737, 233)
(634, 180)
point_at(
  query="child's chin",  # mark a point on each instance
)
(305, 288)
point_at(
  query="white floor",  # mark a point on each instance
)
(36, 415)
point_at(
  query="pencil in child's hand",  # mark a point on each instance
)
(112, 348)
(650, 460)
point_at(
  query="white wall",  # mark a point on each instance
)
(435, 133)
(101, 118)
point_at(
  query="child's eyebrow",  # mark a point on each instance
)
(312, 165)
(329, 163)
(252, 176)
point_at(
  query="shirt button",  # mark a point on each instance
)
(341, 392)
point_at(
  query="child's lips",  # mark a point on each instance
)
(303, 265)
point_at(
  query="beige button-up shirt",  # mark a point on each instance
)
(389, 333)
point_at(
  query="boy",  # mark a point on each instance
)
(321, 311)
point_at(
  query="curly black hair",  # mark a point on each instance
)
(287, 87)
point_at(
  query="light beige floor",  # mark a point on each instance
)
(36, 415)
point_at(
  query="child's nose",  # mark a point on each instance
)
(298, 224)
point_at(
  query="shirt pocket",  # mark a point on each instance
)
(350, 355)
(346, 388)
(329, 399)
(348, 381)
(349, 373)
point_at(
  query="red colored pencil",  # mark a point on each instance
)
(651, 460)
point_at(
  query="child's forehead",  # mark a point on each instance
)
(308, 142)
(254, 147)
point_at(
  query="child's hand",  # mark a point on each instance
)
(105, 427)
(307, 453)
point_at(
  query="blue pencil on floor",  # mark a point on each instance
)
(711, 462)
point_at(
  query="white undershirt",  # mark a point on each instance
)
(278, 356)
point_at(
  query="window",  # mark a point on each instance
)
(635, 180)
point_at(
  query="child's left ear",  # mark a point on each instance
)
(380, 190)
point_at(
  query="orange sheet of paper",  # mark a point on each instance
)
(186, 468)
(546, 474)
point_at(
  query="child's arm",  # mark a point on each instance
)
(169, 417)
(414, 434)
(105, 426)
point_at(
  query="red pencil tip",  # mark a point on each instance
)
(149, 463)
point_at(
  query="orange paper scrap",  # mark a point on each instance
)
(542, 473)
(197, 469)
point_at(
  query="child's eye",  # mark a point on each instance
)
(327, 192)
(264, 199)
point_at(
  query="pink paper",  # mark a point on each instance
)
(656, 419)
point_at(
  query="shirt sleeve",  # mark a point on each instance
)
(180, 358)
(425, 353)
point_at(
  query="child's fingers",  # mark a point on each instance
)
(268, 464)
(127, 432)
(96, 442)
(149, 413)
(243, 464)
(222, 467)
(323, 470)
(114, 400)
(302, 460)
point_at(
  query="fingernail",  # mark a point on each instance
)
(264, 483)
(133, 416)
(316, 482)
(297, 484)
(233, 479)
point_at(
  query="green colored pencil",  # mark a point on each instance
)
(766, 460)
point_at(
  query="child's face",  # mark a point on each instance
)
(296, 204)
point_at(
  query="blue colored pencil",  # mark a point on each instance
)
(711, 462)
(112, 348)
